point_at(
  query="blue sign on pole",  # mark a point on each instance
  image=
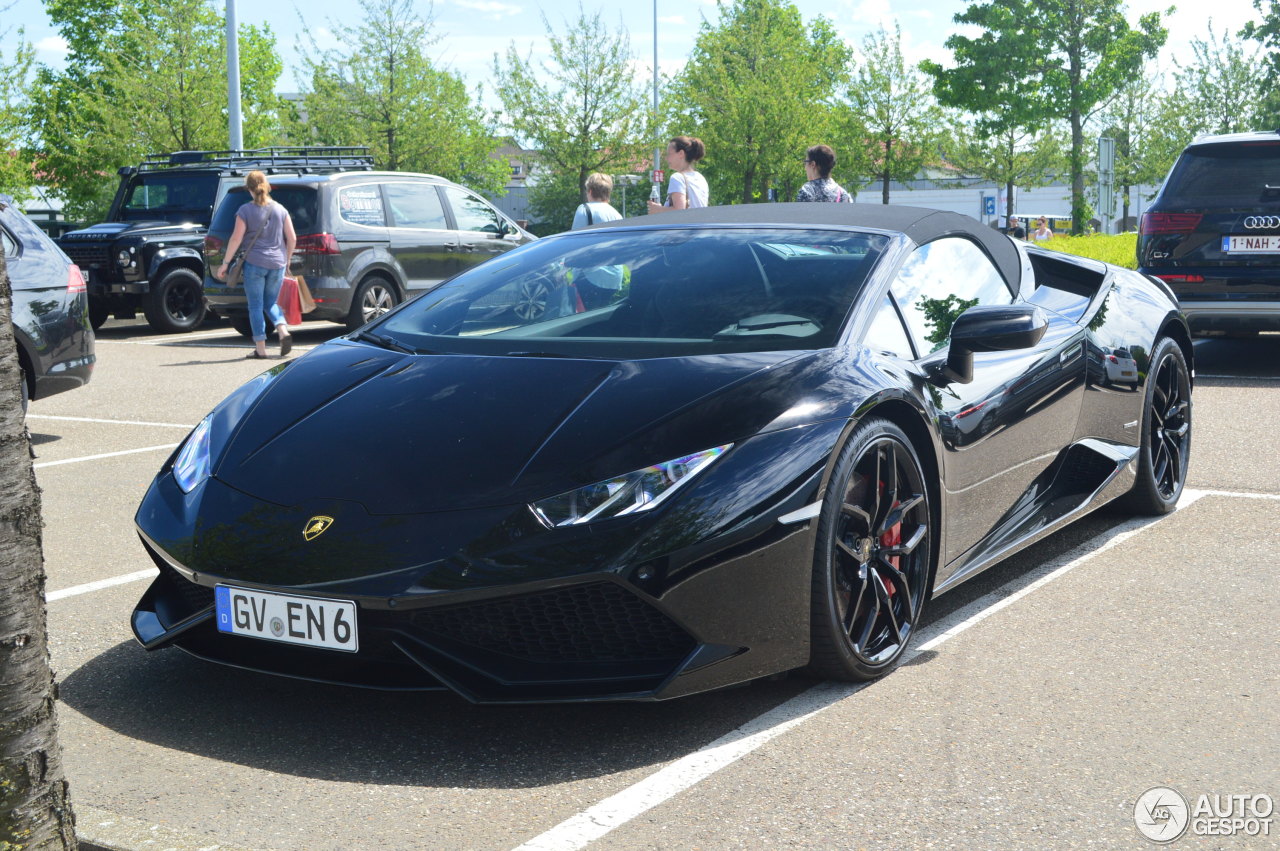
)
(988, 205)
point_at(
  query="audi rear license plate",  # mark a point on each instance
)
(291, 618)
(1251, 244)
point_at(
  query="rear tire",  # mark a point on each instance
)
(374, 297)
(873, 558)
(99, 311)
(1165, 452)
(175, 303)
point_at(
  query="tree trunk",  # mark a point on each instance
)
(748, 185)
(884, 191)
(35, 807)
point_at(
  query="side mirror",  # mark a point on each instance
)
(991, 328)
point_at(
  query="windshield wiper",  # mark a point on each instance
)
(387, 343)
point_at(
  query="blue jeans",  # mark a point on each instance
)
(262, 288)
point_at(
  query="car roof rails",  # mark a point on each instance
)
(302, 158)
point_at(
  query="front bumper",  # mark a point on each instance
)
(495, 610)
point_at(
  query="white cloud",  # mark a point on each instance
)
(676, 20)
(490, 8)
(53, 44)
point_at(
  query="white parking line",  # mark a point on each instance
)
(104, 455)
(77, 590)
(111, 422)
(596, 821)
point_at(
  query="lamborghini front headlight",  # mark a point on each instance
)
(628, 494)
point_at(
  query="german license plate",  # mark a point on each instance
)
(1251, 244)
(291, 618)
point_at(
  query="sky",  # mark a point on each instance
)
(472, 31)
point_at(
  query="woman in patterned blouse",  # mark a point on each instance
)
(818, 162)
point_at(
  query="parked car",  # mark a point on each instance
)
(368, 240)
(1121, 367)
(50, 309)
(735, 469)
(1213, 233)
(147, 254)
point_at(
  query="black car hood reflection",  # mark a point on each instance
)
(403, 434)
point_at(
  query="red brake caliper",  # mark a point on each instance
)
(892, 538)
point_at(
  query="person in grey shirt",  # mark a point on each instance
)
(818, 162)
(270, 246)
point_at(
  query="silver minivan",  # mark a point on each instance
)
(367, 240)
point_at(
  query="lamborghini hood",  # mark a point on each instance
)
(404, 434)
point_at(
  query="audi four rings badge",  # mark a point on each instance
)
(1258, 222)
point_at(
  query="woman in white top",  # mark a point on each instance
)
(1042, 232)
(687, 188)
(597, 208)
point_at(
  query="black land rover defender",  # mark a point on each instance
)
(148, 251)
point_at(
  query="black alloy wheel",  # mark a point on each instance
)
(374, 297)
(175, 303)
(873, 557)
(1166, 433)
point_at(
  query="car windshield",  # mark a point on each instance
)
(175, 198)
(1243, 174)
(632, 293)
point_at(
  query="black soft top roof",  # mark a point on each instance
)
(919, 224)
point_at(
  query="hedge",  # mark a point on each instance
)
(1120, 249)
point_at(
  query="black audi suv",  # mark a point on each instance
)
(1213, 233)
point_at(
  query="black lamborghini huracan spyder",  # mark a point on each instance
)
(649, 459)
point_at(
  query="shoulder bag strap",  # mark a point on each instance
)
(590, 219)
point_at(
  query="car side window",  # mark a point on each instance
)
(941, 280)
(362, 205)
(473, 213)
(416, 205)
(10, 247)
(887, 334)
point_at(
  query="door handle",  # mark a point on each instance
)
(1069, 353)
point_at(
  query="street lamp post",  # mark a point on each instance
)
(657, 150)
(233, 79)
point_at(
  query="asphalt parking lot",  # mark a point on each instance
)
(1042, 700)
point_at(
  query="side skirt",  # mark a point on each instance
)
(1089, 474)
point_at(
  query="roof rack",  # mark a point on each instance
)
(275, 159)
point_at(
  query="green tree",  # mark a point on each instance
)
(143, 77)
(381, 89)
(582, 110)
(1072, 55)
(1010, 157)
(35, 805)
(892, 121)
(759, 88)
(1222, 85)
(1131, 119)
(1267, 33)
(1222, 89)
(16, 175)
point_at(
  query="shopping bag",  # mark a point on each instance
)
(304, 295)
(289, 301)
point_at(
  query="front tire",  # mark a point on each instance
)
(1166, 433)
(873, 559)
(175, 303)
(374, 297)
